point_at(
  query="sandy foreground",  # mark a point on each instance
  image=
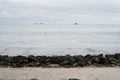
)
(109, 73)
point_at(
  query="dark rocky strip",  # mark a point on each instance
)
(108, 60)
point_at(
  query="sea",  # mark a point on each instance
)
(51, 39)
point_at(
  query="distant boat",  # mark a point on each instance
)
(41, 23)
(35, 23)
(38, 23)
(75, 23)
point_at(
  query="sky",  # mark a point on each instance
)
(60, 11)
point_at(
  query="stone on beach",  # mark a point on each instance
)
(73, 79)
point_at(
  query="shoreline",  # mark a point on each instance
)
(67, 61)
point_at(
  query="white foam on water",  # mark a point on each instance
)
(58, 39)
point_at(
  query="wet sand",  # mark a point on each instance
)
(87, 73)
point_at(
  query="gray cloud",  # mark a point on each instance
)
(60, 11)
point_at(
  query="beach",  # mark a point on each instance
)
(39, 42)
(87, 73)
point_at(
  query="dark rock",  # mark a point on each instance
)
(4, 60)
(117, 56)
(66, 62)
(32, 58)
(113, 61)
(18, 61)
(88, 56)
(95, 60)
(60, 61)
(41, 59)
(73, 79)
(34, 79)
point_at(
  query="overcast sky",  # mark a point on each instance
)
(60, 11)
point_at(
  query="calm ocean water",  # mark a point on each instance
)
(58, 39)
